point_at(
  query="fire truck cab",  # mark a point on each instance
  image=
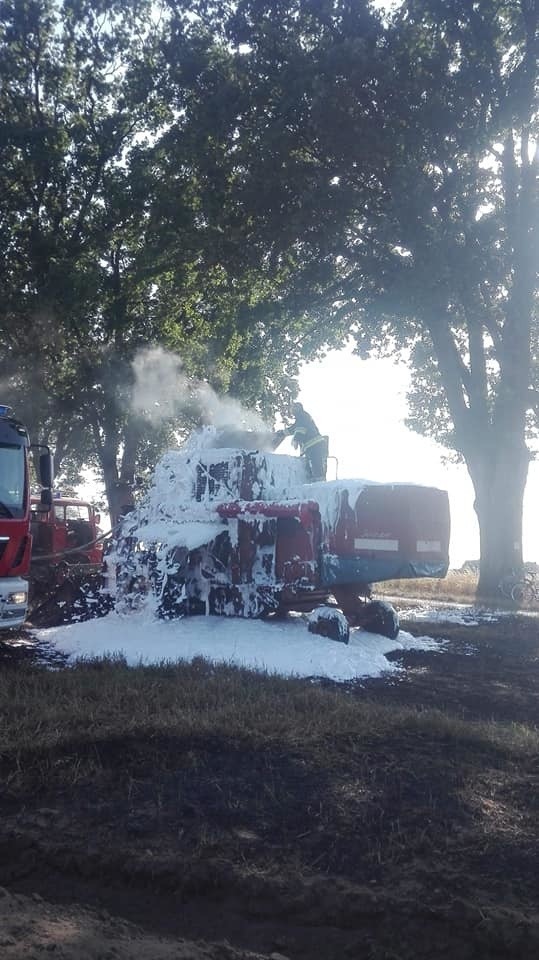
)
(67, 531)
(15, 535)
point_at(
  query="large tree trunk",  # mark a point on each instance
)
(119, 489)
(106, 445)
(123, 500)
(119, 481)
(499, 480)
(117, 448)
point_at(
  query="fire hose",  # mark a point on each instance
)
(81, 547)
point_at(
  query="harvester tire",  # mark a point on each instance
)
(329, 622)
(380, 617)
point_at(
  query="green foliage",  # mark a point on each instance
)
(249, 183)
(114, 240)
(385, 175)
(69, 110)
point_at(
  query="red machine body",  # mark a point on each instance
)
(388, 532)
(269, 541)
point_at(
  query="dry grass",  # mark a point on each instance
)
(284, 794)
(315, 774)
(104, 700)
(456, 587)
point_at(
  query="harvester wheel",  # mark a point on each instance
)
(379, 617)
(329, 622)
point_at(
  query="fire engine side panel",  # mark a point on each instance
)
(15, 545)
(391, 532)
(15, 538)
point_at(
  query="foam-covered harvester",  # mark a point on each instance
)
(241, 533)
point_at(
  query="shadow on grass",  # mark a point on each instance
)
(404, 806)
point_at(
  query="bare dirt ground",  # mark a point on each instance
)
(405, 825)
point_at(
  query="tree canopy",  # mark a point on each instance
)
(247, 182)
(109, 246)
(387, 166)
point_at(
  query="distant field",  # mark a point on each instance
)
(456, 586)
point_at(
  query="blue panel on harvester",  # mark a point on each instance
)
(4, 410)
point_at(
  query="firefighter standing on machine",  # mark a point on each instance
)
(312, 445)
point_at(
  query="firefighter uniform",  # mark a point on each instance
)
(312, 445)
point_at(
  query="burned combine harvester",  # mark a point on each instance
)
(239, 533)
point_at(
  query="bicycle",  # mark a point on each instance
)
(522, 587)
(526, 591)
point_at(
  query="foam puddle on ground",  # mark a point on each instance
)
(284, 647)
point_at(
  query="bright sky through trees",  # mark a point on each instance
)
(361, 405)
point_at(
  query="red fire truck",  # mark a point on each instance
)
(15, 513)
(67, 561)
(68, 531)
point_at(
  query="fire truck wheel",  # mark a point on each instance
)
(380, 617)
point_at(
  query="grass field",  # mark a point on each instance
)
(455, 587)
(275, 817)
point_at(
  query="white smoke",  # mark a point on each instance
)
(162, 390)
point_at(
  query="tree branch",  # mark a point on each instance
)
(452, 369)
